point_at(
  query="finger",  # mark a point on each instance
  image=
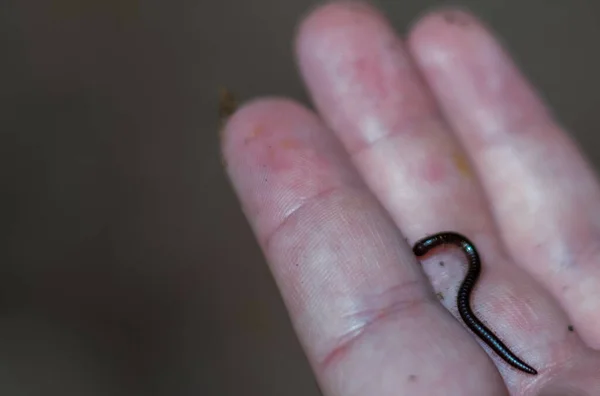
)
(357, 299)
(363, 82)
(544, 195)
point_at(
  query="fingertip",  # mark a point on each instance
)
(330, 18)
(439, 34)
(443, 23)
(246, 122)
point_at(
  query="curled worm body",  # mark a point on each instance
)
(423, 246)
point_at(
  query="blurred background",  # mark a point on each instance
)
(126, 266)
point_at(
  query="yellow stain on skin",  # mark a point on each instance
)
(289, 144)
(257, 131)
(463, 166)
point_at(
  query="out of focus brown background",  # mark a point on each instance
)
(126, 266)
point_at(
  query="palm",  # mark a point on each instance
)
(439, 134)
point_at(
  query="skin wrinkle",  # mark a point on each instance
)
(387, 378)
(411, 186)
(422, 132)
(404, 301)
(293, 213)
(417, 126)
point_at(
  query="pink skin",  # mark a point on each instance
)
(437, 132)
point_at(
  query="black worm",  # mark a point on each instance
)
(423, 246)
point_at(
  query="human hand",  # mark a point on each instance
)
(439, 132)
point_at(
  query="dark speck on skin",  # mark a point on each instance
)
(571, 328)
(412, 378)
(441, 263)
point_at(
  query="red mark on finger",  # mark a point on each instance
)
(290, 144)
(435, 171)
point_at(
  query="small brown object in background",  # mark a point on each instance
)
(227, 105)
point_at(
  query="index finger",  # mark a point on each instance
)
(358, 299)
